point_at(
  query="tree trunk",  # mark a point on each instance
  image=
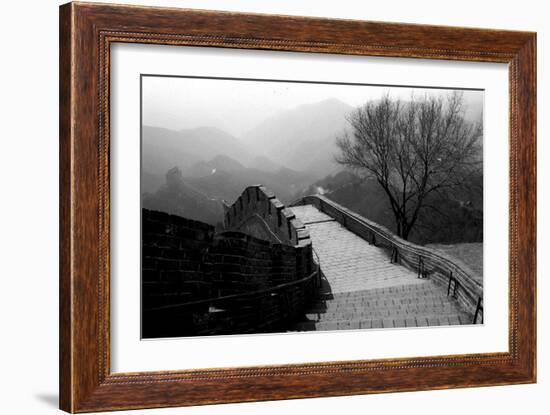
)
(405, 233)
(402, 230)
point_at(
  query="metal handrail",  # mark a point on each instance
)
(455, 286)
(392, 240)
(479, 309)
(439, 261)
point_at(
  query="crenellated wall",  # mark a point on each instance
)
(197, 282)
(259, 213)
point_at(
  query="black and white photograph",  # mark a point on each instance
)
(275, 206)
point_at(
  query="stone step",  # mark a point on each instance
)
(428, 291)
(431, 289)
(416, 321)
(387, 310)
(379, 304)
(363, 289)
(385, 300)
(418, 285)
(415, 311)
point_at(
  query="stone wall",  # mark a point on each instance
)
(241, 263)
(187, 268)
(173, 253)
(258, 212)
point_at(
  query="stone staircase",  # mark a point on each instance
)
(410, 305)
(363, 289)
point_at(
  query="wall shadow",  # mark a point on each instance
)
(50, 399)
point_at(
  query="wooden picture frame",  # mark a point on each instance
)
(86, 33)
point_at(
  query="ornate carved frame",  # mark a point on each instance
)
(86, 33)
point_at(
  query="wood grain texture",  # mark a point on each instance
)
(86, 33)
(65, 247)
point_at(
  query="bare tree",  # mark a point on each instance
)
(413, 149)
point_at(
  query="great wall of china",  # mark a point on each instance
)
(313, 265)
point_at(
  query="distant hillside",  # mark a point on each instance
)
(457, 217)
(163, 149)
(151, 182)
(302, 138)
(177, 197)
(224, 178)
(219, 163)
(264, 163)
(199, 194)
(469, 253)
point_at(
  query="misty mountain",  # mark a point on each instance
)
(199, 194)
(222, 179)
(302, 138)
(264, 163)
(220, 163)
(151, 182)
(163, 149)
(177, 197)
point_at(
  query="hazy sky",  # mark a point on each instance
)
(237, 106)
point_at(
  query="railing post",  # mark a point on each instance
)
(479, 308)
(455, 286)
(394, 255)
(450, 280)
(420, 267)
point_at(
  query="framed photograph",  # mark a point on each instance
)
(258, 207)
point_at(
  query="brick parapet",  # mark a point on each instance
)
(257, 208)
(184, 261)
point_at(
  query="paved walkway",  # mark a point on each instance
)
(363, 289)
(348, 262)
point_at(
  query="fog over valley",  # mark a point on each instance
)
(205, 143)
